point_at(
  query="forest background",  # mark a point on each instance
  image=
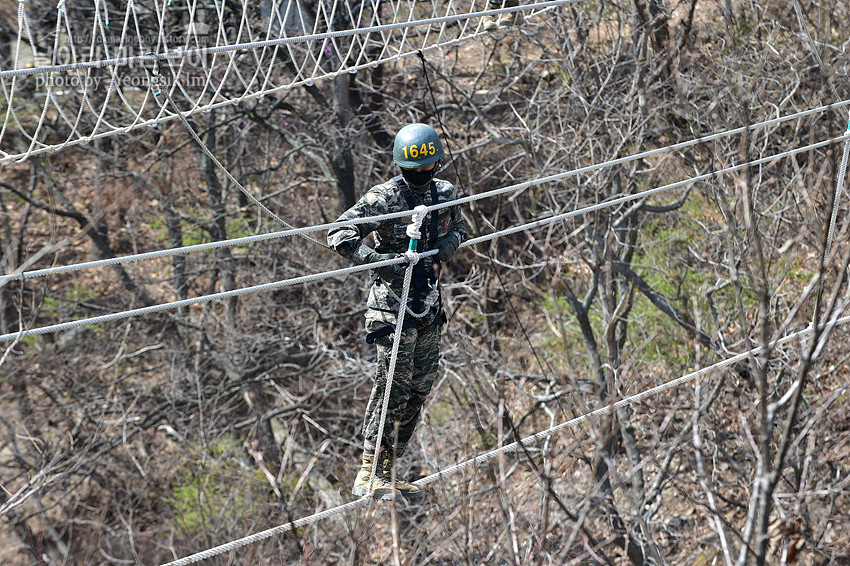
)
(145, 440)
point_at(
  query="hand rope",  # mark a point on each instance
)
(642, 194)
(198, 300)
(380, 218)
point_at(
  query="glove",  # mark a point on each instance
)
(447, 246)
(387, 272)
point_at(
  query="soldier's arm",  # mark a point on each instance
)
(457, 229)
(347, 241)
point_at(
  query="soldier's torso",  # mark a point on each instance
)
(391, 235)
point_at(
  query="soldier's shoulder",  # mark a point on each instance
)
(382, 195)
(445, 190)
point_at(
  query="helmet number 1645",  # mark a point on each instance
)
(412, 151)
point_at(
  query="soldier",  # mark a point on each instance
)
(417, 151)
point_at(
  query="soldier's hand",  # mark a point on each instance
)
(388, 272)
(447, 246)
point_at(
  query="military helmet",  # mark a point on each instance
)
(417, 145)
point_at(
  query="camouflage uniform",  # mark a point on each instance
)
(419, 350)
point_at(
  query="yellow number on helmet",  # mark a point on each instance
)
(424, 149)
(431, 149)
(414, 152)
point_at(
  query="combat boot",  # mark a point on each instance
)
(381, 488)
(406, 489)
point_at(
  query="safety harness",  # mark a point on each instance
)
(421, 277)
(422, 280)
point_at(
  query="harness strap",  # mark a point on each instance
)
(405, 191)
(435, 219)
(432, 230)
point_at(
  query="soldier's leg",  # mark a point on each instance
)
(426, 361)
(402, 376)
(402, 381)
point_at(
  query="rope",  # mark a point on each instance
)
(430, 301)
(481, 458)
(257, 537)
(842, 172)
(202, 299)
(4, 279)
(609, 409)
(470, 242)
(649, 192)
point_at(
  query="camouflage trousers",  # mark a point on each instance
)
(415, 370)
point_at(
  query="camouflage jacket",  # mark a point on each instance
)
(390, 236)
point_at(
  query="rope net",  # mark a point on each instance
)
(82, 72)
